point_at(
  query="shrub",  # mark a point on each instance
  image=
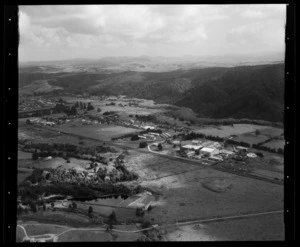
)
(36, 176)
(32, 206)
(112, 218)
(159, 147)
(134, 138)
(35, 156)
(90, 211)
(146, 224)
(143, 144)
(140, 211)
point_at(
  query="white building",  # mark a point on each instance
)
(143, 137)
(251, 155)
(176, 142)
(209, 151)
(191, 147)
(149, 127)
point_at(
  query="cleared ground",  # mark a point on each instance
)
(185, 195)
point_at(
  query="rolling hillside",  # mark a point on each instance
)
(254, 92)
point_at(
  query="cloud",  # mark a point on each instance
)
(253, 14)
(264, 11)
(153, 28)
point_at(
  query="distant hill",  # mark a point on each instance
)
(254, 92)
(153, 63)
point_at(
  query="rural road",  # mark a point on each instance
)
(49, 236)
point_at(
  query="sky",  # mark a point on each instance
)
(57, 32)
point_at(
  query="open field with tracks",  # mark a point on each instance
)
(267, 227)
(187, 191)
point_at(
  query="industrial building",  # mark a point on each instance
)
(209, 151)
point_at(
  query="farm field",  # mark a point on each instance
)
(105, 211)
(265, 227)
(251, 138)
(227, 130)
(56, 162)
(33, 133)
(185, 197)
(99, 236)
(36, 228)
(101, 132)
(23, 173)
(271, 132)
(151, 167)
(57, 217)
(275, 144)
(24, 155)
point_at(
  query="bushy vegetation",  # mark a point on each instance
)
(134, 138)
(143, 144)
(109, 113)
(36, 176)
(67, 150)
(146, 118)
(233, 94)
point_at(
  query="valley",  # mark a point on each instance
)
(114, 162)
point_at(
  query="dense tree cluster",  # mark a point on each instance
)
(134, 138)
(146, 118)
(36, 176)
(159, 131)
(86, 190)
(193, 135)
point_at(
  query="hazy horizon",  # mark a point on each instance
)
(58, 32)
